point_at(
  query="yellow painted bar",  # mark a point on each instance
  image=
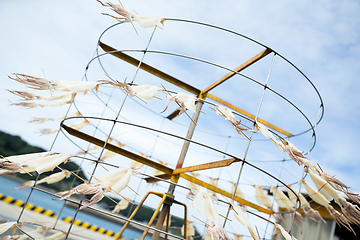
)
(160, 167)
(149, 69)
(186, 86)
(224, 193)
(216, 164)
(248, 63)
(154, 214)
(131, 217)
(117, 149)
(245, 113)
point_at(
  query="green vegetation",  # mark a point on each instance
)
(14, 145)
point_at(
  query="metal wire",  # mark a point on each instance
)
(248, 145)
(230, 70)
(111, 130)
(115, 121)
(189, 140)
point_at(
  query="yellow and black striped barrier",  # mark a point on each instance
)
(28, 206)
(95, 228)
(49, 213)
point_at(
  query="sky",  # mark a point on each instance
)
(321, 38)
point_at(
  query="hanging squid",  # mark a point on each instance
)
(24, 158)
(184, 100)
(39, 162)
(121, 205)
(321, 199)
(229, 116)
(266, 132)
(238, 193)
(109, 153)
(34, 105)
(29, 96)
(240, 215)
(207, 236)
(213, 181)
(238, 236)
(293, 152)
(203, 203)
(76, 126)
(80, 125)
(42, 229)
(284, 202)
(261, 197)
(190, 229)
(280, 229)
(86, 189)
(6, 226)
(48, 131)
(145, 91)
(42, 120)
(284, 145)
(45, 84)
(48, 163)
(135, 165)
(328, 185)
(10, 167)
(337, 184)
(192, 186)
(158, 172)
(113, 181)
(53, 178)
(305, 205)
(352, 212)
(127, 16)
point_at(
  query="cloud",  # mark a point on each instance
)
(320, 38)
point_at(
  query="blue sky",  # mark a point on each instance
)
(321, 38)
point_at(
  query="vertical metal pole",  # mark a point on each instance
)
(175, 179)
(186, 145)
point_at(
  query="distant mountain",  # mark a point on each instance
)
(13, 145)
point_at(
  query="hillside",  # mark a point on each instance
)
(14, 145)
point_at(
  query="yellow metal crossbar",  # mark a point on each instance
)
(186, 86)
(248, 63)
(216, 164)
(224, 193)
(160, 167)
(117, 149)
